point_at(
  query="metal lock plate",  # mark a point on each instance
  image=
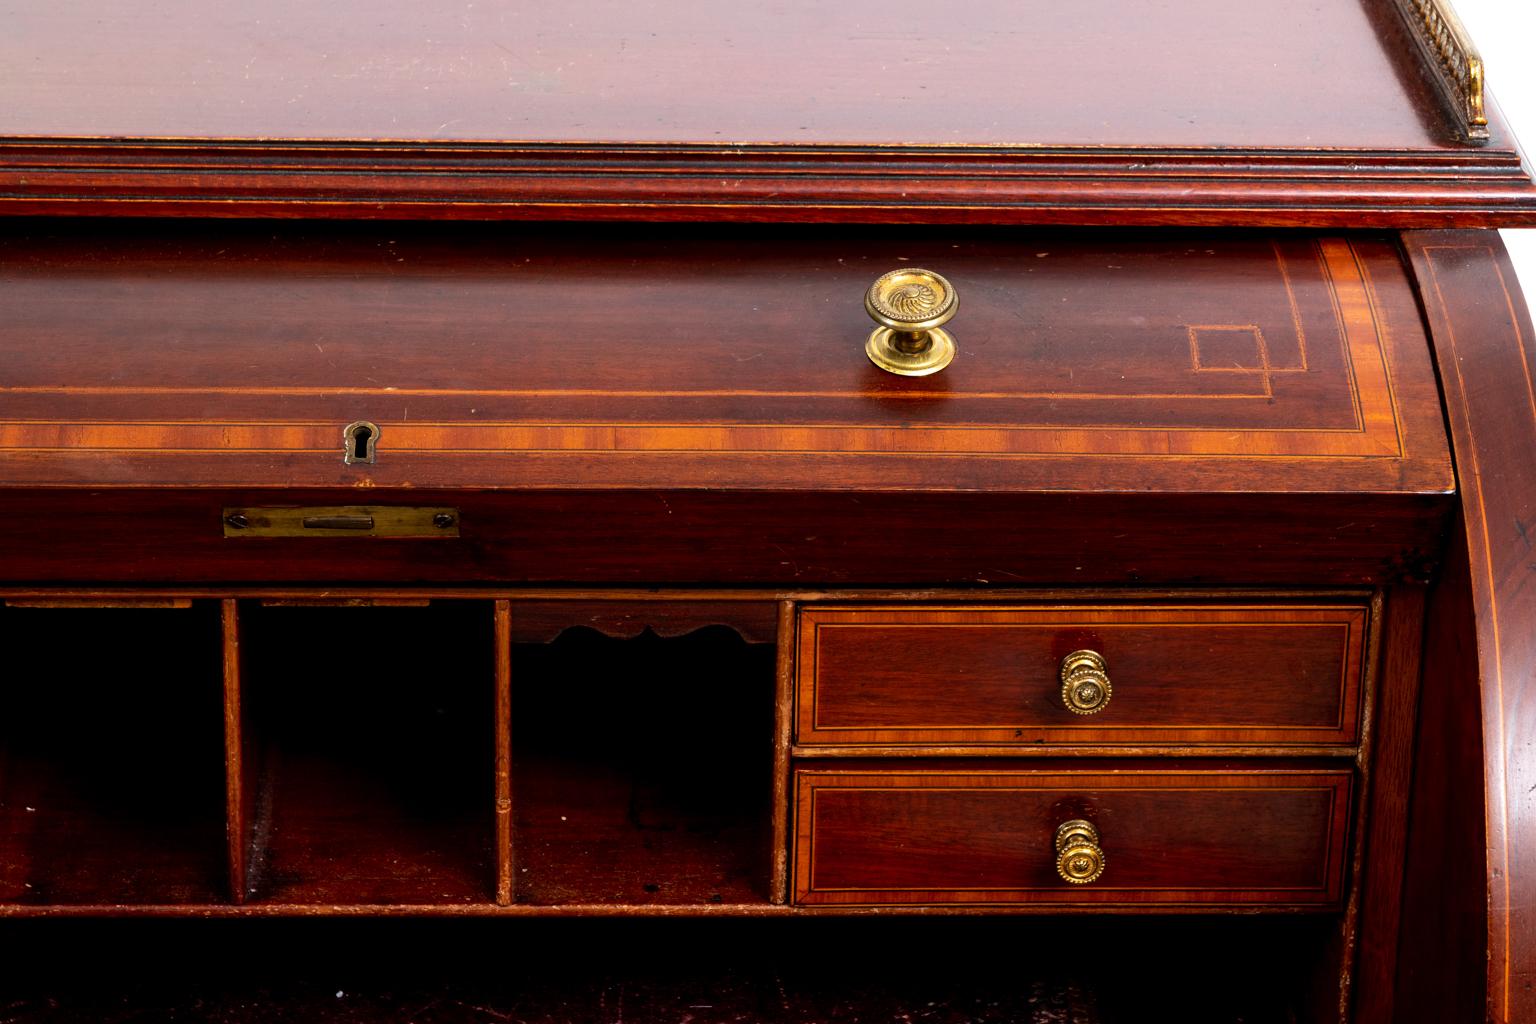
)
(342, 521)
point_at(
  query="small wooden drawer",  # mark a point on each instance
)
(1282, 675)
(1254, 836)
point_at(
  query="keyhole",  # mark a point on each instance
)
(360, 443)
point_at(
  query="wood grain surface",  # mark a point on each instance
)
(1279, 675)
(782, 539)
(1486, 347)
(1093, 362)
(931, 833)
(1102, 112)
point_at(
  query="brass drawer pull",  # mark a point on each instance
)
(1085, 687)
(911, 306)
(1079, 858)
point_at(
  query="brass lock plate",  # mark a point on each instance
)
(342, 521)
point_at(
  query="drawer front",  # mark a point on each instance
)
(1261, 837)
(1273, 676)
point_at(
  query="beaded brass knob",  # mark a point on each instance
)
(1079, 859)
(1085, 688)
(911, 306)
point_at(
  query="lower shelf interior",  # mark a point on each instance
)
(642, 769)
(659, 971)
(370, 754)
(111, 756)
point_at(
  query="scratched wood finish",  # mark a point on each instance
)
(1486, 347)
(1252, 836)
(1181, 675)
(1103, 112)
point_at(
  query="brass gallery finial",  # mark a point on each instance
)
(1455, 65)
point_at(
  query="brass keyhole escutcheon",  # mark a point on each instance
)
(1085, 686)
(911, 306)
(1079, 858)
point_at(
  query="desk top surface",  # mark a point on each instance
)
(1259, 74)
(269, 91)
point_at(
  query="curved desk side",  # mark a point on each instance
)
(1486, 350)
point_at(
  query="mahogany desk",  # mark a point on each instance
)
(447, 472)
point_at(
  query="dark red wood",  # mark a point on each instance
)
(1145, 363)
(237, 794)
(786, 652)
(506, 852)
(931, 832)
(1443, 941)
(1486, 346)
(1088, 363)
(1185, 675)
(1387, 790)
(798, 540)
(1202, 112)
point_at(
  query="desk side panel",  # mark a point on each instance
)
(1486, 349)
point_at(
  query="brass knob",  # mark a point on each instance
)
(1079, 859)
(911, 306)
(1085, 688)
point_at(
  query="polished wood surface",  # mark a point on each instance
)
(368, 758)
(1377, 919)
(1087, 363)
(1104, 112)
(1254, 835)
(693, 72)
(1486, 347)
(736, 625)
(1442, 966)
(1181, 675)
(797, 540)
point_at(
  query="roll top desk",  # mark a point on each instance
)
(1034, 468)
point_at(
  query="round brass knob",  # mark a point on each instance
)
(1079, 859)
(911, 306)
(1085, 688)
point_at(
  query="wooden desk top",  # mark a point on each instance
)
(1098, 111)
(699, 72)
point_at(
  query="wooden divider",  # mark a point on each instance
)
(505, 856)
(234, 753)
